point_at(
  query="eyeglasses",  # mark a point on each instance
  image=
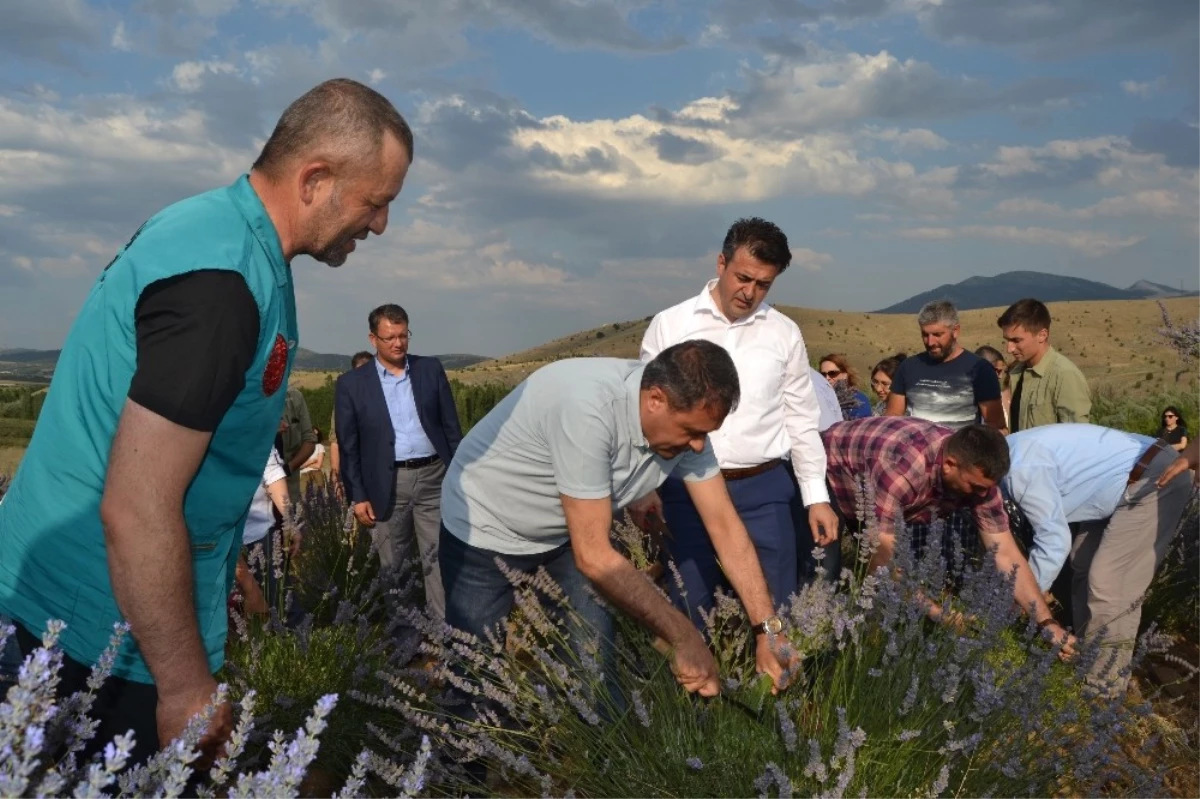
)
(832, 373)
(393, 339)
(1170, 416)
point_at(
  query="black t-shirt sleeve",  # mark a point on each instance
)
(985, 381)
(197, 334)
(900, 378)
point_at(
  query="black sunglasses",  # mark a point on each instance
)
(832, 373)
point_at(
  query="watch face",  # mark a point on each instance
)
(773, 625)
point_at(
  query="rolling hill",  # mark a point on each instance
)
(1115, 343)
(1008, 287)
(38, 365)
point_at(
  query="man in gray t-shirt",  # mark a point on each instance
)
(537, 481)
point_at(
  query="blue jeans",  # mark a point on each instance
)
(479, 596)
(764, 504)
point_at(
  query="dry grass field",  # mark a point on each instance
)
(1115, 343)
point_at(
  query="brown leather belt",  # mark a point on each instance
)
(1139, 468)
(750, 471)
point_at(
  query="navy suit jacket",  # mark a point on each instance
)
(365, 439)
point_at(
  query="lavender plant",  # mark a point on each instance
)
(888, 703)
(41, 736)
(330, 632)
(1184, 338)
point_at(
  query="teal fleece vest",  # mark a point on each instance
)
(53, 562)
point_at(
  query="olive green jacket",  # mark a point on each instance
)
(1053, 391)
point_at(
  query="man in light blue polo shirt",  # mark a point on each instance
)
(536, 482)
(1104, 481)
(131, 499)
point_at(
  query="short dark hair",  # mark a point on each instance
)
(1031, 314)
(341, 115)
(693, 373)
(980, 446)
(391, 312)
(762, 239)
(359, 358)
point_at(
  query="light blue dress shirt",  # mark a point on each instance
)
(1066, 473)
(411, 441)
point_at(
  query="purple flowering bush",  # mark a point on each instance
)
(886, 703)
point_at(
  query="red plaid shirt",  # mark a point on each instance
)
(899, 460)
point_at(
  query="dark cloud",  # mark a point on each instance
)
(50, 30)
(782, 46)
(1177, 141)
(456, 135)
(1064, 28)
(739, 13)
(1048, 172)
(676, 149)
(594, 159)
(601, 24)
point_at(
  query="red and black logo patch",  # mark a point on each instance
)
(276, 366)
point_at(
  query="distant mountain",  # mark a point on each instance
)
(15, 362)
(1004, 289)
(1152, 291)
(28, 356)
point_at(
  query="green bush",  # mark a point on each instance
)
(1142, 415)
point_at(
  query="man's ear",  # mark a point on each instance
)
(656, 399)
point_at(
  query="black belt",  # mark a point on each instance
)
(417, 463)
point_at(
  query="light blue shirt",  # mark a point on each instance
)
(411, 441)
(572, 428)
(1066, 473)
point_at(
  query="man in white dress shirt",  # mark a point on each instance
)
(777, 419)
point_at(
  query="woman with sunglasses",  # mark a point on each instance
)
(996, 359)
(1174, 428)
(836, 369)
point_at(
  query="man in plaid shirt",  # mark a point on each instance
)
(916, 470)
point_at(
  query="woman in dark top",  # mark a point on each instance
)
(837, 370)
(1174, 428)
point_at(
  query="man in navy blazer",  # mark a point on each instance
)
(397, 431)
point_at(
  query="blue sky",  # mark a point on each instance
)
(578, 161)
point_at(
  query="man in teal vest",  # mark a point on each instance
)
(130, 501)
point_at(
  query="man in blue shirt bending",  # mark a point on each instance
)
(1092, 493)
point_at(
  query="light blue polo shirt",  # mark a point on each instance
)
(53, 561)
(573, 427)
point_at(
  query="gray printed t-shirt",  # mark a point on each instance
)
(572, 427)
(946, 392)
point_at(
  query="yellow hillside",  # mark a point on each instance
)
(1115, 343)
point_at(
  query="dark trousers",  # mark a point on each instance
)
(120, 706)
(764, 504)
(806, 560)
(479, 597)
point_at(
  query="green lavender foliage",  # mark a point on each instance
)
(886, 703)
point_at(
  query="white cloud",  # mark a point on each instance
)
(375, 76)
(911, 139)
(1088, 242)
(1152, 202)
(811, 260)
(120, 40)
(188, 76)
(1144, 89)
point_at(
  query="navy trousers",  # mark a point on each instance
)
(764, 503)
